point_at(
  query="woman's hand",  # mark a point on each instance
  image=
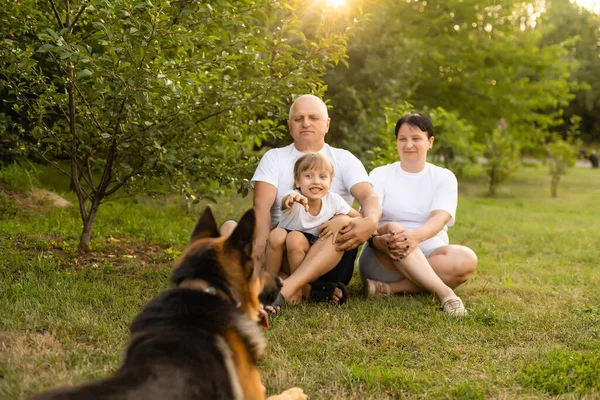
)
(334, 226)
(401, 243)
(380, 244)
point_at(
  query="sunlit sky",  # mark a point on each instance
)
(593, 5)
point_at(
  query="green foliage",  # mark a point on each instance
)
(8, 141)
(577, 29)
(503, 155)
(16, 177)
(454, 147)
(480, 61)
(563, 154)
(561, 372)
(385, 152)
(136, 94)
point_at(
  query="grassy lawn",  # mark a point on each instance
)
(533, 330)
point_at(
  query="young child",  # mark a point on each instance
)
(306, 214)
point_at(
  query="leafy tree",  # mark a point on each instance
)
(579, 30)
(482, 61)
(141, 96)
(455, 147)
(503, 154)
(563, 154)
(384, 152)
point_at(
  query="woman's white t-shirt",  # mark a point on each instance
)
(409, 198)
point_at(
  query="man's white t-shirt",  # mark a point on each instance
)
(296, 218)
(277, 168)
(409, 198)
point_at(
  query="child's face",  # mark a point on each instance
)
(314, 183)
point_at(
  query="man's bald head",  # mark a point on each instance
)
(314, 100)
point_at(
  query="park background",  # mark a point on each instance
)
(140, 113)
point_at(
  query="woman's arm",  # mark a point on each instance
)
(436, 222)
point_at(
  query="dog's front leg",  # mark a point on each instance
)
(290, 394)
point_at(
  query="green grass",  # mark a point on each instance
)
(533, 331)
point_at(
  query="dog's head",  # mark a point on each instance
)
(224, 266)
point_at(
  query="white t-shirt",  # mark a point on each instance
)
(409, 198)
(277, 168)
(296, 218)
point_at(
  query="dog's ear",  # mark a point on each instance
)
(242, 237)
(206, 226)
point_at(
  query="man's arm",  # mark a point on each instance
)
(264, 197)
(360, 228)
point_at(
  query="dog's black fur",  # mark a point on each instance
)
(192, 341)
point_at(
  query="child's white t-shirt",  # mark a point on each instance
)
(296, 218)
(277, 168)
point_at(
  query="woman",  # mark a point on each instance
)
(411, 251)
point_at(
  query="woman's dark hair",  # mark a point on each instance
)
(418, 120)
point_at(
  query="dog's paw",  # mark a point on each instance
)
(290, 394)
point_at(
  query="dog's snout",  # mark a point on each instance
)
(271, 285)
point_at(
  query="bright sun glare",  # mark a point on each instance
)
(336, 3)
(592, 5)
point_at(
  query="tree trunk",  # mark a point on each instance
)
(554, 185)
(88, 224)
(493, 184)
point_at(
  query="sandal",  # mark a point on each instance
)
(274, 309)
(372, 288)
(323, 292)
(454, 306)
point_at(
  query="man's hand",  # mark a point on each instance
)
(355, 233)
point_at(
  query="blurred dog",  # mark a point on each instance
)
(200, 340)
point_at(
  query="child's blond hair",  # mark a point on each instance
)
(310, 161)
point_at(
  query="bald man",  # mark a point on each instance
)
(329, 264)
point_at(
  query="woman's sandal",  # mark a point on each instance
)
(454, 306)
(324, 291)
(274, 309)
(372, 288)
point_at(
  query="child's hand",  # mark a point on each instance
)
(334, 226)
(296, 198)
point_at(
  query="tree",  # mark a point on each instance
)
(142, 95)
(482, 61)
(503, 155)
(563, 154)
(579, 30)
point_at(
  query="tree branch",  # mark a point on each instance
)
(55, 11)
(88, 107)
(81, 10)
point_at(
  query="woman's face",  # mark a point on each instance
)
(412, 143)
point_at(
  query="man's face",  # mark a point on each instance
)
(308, 120)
